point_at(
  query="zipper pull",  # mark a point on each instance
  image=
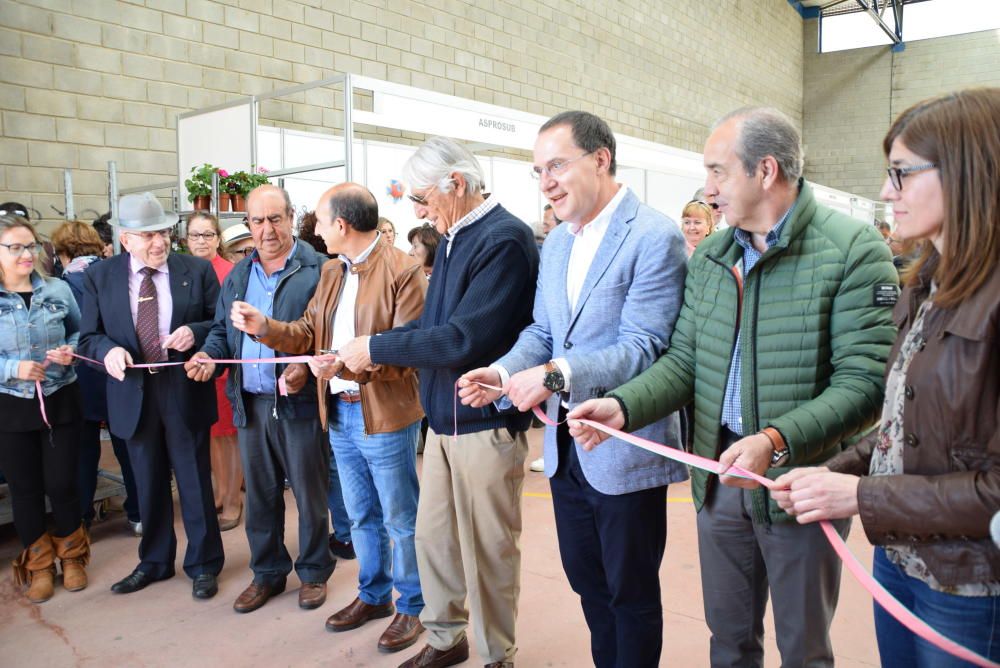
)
(274, 411)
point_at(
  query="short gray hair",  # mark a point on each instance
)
(766, 131)
(436, 159)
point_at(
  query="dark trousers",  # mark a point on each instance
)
(272, 450)
(37, 467)
(163, 441)
(611, 548)
(90, 457)
(742, 562)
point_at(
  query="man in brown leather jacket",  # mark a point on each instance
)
(373, 417)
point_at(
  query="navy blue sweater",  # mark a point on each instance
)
(479, 300)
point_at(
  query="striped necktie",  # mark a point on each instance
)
(147, 326)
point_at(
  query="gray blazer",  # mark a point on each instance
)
(622, 324)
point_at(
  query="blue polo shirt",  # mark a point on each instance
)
(259, 378)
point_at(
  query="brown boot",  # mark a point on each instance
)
(36, 567)
(74, 554)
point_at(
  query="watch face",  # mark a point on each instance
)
(553, 381)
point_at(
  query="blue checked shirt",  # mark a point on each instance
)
(732, 413)
(259, 378)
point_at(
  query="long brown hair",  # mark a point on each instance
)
(960, 133)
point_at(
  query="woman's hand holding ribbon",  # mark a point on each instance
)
(28, 370)
(62, 355)
(816, 493)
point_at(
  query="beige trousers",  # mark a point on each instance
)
(468, 539)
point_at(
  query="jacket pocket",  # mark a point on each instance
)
(973, 459)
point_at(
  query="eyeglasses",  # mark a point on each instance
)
(206, 236)
(556, 167)
(421, 199)
(245, 252)
(896, 174)
(18, 249)
(149, 236)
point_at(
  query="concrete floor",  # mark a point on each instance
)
(164, 626)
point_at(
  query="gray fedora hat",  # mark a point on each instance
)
(142, 212)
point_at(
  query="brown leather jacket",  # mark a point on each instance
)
(391, 290)
(950, 489)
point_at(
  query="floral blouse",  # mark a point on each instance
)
(887, 459)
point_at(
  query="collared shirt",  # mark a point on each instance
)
(469, 219)
(164, 300)
(259, 378)
(587, 239)
(732, 414)
(343, 317)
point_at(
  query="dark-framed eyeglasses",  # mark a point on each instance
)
(556, 167)
(205, 236)
(18, 249)
(245, 252)
(896, 174)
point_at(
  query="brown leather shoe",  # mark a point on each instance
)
(435, 658)
(257, 595)
(402, 632)
(312, 595)
(356, 614)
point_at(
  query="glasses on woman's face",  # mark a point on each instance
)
(18, 249)
(896, 174)
(204, 236)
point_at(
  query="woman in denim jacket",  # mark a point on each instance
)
(39, 328)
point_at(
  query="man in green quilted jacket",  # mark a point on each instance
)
(781, 344)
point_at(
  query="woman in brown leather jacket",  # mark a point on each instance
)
(926, 482)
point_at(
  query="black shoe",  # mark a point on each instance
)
(205, 586)
(134, 582)
(342, 550)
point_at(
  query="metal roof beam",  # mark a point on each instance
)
(871, 8)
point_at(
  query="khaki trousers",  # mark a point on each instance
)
(468, 539)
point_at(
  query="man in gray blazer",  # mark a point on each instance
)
(609, 290)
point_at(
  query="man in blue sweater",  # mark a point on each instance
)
(480, 299)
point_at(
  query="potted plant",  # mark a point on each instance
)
(199, 186)
(241, 183)
(224, 194)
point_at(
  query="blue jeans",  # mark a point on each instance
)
(335, 502)
(378, 474)
(972, 621)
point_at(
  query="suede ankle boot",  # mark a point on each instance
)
(36, 568)
(74, 555)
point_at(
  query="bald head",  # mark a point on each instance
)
(353, 203)
(271, 190)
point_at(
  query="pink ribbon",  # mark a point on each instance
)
(282, 386)
(900, 612)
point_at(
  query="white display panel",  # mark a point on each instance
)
(220, 137)
(383, 165)
(668, 193)
(511, 183)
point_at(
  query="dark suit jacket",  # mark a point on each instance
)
(107, 322)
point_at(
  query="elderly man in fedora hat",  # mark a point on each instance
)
(146, 306)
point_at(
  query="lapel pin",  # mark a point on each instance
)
(184, 284)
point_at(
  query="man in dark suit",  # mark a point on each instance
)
(148, 306)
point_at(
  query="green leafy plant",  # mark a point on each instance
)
(200, 182)
(242, 182)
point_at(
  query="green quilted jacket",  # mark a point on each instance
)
(814, 347)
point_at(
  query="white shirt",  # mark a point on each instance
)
(343, 326)
(587, 240)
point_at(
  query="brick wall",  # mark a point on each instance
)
(87, 81)
(850, 98)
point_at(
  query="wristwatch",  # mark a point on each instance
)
(554, 380)
(780, 454)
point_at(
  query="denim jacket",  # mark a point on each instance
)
(25, 334)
